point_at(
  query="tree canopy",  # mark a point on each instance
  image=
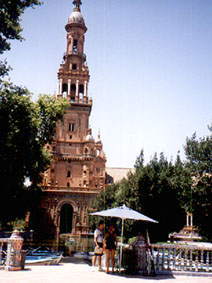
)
(10, 24)
(152, 191)
(199, 161)
(166, 190)
(25, 128)
(199, 153)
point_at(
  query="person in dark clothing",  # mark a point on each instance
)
(110, 244)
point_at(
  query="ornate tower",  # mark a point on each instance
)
(73, 74)
(77, 171)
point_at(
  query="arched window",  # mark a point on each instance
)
(75, 46)
(64, 88)
(74, 66)
(68, 173)
(73, 91)
(81, 91)
(71, 127)
(73, 87)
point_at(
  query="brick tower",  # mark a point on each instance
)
(77, 171)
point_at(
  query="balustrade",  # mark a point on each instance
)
(90, 190)
(182, 258)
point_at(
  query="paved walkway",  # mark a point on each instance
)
(83, 273)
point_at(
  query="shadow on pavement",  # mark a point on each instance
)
(71, 259)
(118, 274)
(156, 277)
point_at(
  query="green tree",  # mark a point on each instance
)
(182, 180)
(25, 128)
(199, 154)
(157, 197)
(10, 25)
(152, 190)
(140, 160)
(199, 162)
(167, 190)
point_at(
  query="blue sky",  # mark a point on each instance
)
(150, 64)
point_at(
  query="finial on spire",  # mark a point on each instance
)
(77, 4)
(99, 138)
(99, 135)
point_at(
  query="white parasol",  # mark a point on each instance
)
(123, 212)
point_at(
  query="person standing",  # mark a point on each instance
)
(110, 243)
(98, 241)
(143, 254)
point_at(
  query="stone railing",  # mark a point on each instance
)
(181, 258)
(72, 189)
(11, 255)
(70, 156)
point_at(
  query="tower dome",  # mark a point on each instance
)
(76, 17)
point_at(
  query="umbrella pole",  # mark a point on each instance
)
(122, 235)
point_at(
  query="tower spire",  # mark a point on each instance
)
(77, 4)
(99, 135)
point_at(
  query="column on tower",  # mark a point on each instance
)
(60, 86)
(85, 91)
(77, 90)
(69, 87)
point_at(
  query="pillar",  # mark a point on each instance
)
(86, 88)
(60, 86)
(187, 220)
(85, 98)
(77, 89)
(74, 222)
(69, 87)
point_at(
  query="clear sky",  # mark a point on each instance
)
(150, 63)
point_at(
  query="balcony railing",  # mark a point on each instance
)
(74, 156)
(73, 189)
